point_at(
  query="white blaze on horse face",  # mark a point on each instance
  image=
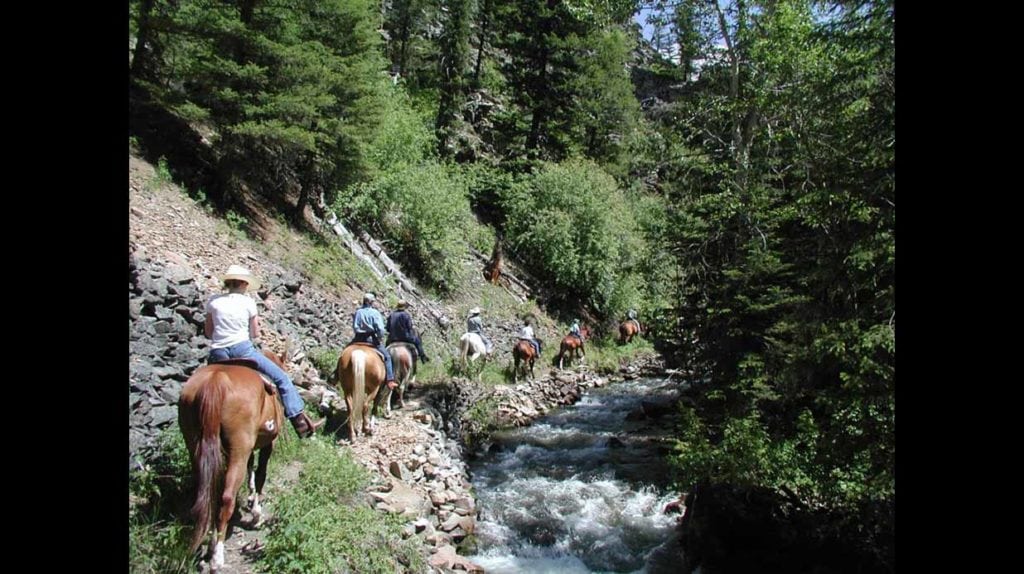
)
(269, 425)
(252, 484)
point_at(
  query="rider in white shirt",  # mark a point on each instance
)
(527, 334)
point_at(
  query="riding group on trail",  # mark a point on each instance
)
(237, 403)
(228, 408)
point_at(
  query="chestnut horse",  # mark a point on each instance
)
(360, 374)
(523, 353)
(573, 345)
(628, 329)
(227, 406)
(403, 358)
(492, 271)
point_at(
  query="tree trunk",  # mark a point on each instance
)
(403, 39)
(140, 59)
(540, 87)
(485, 15)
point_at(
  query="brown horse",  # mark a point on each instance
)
(627, 330)
(492, 271)
(360, 374)
(227, 406)
(403, 358)
(573, 345)
(523, 353)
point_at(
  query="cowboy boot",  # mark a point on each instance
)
(305, 427)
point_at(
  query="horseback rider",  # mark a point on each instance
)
(400, 329)
(368, 325)
(526, 334)
(475, 325)
(232, 324)
(631, 315)
(574, 329)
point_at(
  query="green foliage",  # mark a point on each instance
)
(403, 139)
(748, 455)
(572, 225)
(786, 240)
(330, 265)
(482, 416)
(236, 222)
(413, 50)
(158, 535)
(540, 41)
(325, 360)
(167, 474)
(486, 186)
(323, 526)
(162, 174)
(606, 111)
(422, 210)
(606, 355)
(290, 90)
(158, 547)
(416, 205)
(454, 47)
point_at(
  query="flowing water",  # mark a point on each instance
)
(583, 489)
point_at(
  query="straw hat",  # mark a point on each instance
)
(239, 273)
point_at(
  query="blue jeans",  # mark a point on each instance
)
(245, 350)
(389, 371)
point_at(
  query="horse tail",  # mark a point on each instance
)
(463, 349)
(404, 363)
(359, 383)
(208, 455)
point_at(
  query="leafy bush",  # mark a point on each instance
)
(570, 223)
(158, 532)
(413, 203)
(423, 211)
(326, 361)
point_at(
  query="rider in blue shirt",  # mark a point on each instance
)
(368, 325)
(400, 329)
